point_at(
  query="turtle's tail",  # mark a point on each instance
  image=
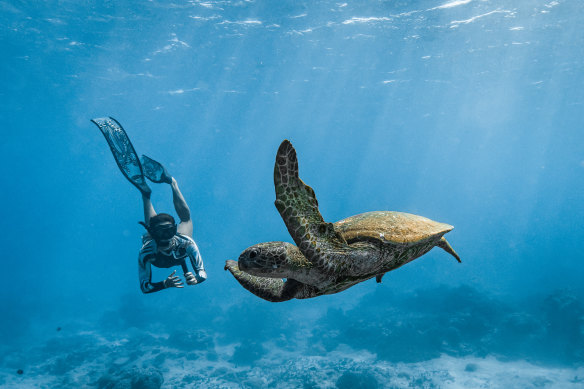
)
(444, 245)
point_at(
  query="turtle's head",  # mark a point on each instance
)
(272, 259)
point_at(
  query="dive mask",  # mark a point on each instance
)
(163, 232)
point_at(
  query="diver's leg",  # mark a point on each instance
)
(149, 211)
(182, 209)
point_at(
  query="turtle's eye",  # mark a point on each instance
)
(254, 253)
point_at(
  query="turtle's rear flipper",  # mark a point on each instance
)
(271, 289)
(444, 245)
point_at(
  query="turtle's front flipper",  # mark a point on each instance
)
(298, 207)
(270, 289)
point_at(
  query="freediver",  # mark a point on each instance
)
(165, 243)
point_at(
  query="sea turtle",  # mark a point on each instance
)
(329, 258)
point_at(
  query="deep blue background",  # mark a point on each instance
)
(469, 113)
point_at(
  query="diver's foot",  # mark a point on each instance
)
(154, 171)
(166, 178)
(143, 187)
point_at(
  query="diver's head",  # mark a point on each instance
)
(162, 228)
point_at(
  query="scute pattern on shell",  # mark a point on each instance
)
(388, 226)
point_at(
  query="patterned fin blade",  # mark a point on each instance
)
(298, 207)
(123, 151)
(154, 170)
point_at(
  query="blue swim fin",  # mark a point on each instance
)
(154, 170)
(123, 152)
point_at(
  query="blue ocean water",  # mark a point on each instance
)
(468, 112)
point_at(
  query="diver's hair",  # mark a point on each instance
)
(161, 218)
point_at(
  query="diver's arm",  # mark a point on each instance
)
(145, 276)
(147, 286)
(197, 264)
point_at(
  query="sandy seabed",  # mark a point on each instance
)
(140, 359)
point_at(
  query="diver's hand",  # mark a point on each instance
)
(190, 278)
(173, 281)
(196, 279)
